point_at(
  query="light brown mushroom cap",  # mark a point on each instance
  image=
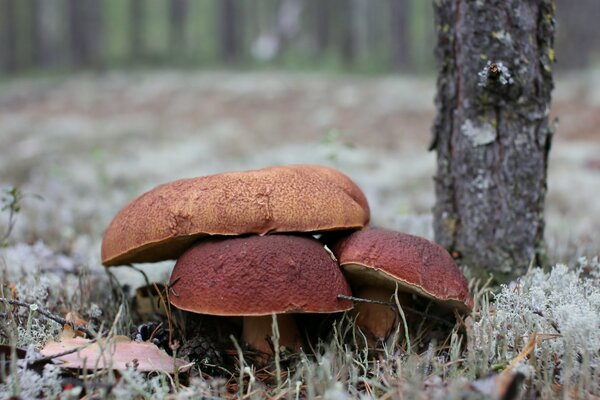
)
(258, 275)
(165, 221)
(382, 257)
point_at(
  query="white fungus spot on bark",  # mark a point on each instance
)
(479, 135)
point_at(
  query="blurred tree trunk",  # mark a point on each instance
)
(399, 28)
(177, 12)
(230, 31)
(48, 33)
(284, 27)
(136, 18)
(577, 38)
(343, 10)
(36, 18)
(322, 16)
(491, 131)
(360, 28)
(9, 43)
(85, 28)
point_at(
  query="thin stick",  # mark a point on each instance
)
(58, 355)
(393, 304)
(241, 356)
(406, 333)
(275, 331)
(49, 315)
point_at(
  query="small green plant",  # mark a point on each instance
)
(11, 202)
(334, 142)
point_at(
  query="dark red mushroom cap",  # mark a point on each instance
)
(377, 256)
(162, 223)
(258, 275)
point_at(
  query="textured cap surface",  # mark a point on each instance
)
(382, 257)
(258, 275)
(163, 222)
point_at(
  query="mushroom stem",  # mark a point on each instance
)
(257, 331)
(376, 321)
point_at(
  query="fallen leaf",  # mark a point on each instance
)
(6, 354)
(68, 332)
(504, 386)
(117, 353)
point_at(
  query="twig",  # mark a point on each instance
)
(393, 304)
(49, 315)
(241, 356)
(401, 311)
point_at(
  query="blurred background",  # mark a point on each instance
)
(338, 35)
(101, 100)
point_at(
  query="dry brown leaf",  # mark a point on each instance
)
(527, 350)
(68, 331)
(504, 386)
(116, 353)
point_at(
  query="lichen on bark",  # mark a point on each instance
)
(491, 133)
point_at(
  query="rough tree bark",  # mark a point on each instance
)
(491, 133)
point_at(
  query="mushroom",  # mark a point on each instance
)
(255, 277)
(376, 260)
(164, 222)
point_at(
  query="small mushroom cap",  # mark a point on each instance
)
(164, 222)
(258, 275)
(382, 257)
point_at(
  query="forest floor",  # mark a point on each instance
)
(88, 143)
(80, 147)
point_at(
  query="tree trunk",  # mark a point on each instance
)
(399, 27)
(579, 28)
(177, 13)
(322, 15)
(285, 26)
(9, 45)
(345, 10)
(85, 28)
(491, 131)
(136, 17)
(36, 19)
(230, 31)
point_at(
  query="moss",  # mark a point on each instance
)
(551, 55)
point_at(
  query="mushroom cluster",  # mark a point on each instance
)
(245, 244)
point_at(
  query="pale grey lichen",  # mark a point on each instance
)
(135, 384)
(479, 134)
(560, 307)
(503, 36)
(28, 384)
(495, 72)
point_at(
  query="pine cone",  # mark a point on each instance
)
(155, 332)
(203, 350)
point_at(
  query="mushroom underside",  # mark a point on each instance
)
(257, 332)
(378, 321)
